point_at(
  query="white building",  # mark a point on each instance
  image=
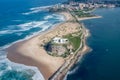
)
(82, 5)
(59, 40)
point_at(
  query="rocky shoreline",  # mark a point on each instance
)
(73, 59)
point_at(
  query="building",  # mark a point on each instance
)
(59, 40)
(81, 5)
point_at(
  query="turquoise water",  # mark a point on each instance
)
(103, 62)
(20, 20)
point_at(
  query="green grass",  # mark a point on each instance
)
(65, 54)
(81, 13)
(74, 40)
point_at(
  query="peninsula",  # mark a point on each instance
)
(33, 52)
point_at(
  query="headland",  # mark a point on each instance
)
(31, 52)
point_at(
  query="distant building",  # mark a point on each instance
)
(59, 40)
(81, 5)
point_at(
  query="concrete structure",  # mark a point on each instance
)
(59, 40)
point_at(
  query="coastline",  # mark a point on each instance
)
(31, 52)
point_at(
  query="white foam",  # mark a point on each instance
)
(20, 67)
(44, 25)
(33, 24)
(19, 34)
(48, 17)
(23, 27)
(71, 72)
(55, 16)
(42, 7)
(4, 32)
(36, 10)
(31, 12)
(9, 68)
(74, 70)
(59, 17)
(27, 26)
(2, 55)
(9, 31)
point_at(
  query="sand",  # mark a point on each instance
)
(31, 52)
(86, 18)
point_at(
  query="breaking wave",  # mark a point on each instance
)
(36, 10)
(48, 17)
(8, 68)
(23, 27)
(33, 24)
(18, 71)
(55, 16)
(42, 7)
(71, 72)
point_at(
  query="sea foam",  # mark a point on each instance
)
(71, 72)
(41, 7)
(6, 65)
(33, 24)
(36, 10)
(23, 27)
(48, 17)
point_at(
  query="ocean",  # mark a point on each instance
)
(20, 20)
(103, 62)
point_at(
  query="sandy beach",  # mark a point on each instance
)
(86, 18)
(31, 52)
